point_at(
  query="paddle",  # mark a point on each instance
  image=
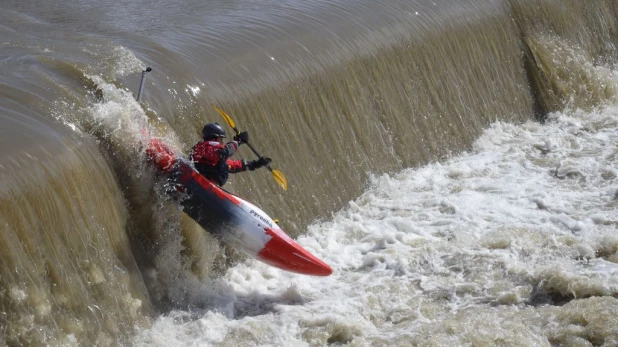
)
(277, 175)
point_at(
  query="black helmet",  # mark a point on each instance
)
(212, 131)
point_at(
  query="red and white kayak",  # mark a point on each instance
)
(232, 219)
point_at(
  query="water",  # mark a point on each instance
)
(512, 243)
(455, 162)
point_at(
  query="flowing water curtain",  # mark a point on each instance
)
(67, 269)
(424, 95)
(570, 47)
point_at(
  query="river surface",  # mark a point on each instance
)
(455, 162)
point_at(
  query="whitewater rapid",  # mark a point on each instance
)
(511, 242)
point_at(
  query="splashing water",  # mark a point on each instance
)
(512, 241)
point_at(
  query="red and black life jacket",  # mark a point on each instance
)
(211, 159)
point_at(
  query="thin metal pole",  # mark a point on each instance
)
(141, 84)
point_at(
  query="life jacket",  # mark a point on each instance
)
(211, 160)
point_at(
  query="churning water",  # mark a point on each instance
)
(455, 162)
(513, 243)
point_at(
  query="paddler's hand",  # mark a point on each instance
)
(263, 161)
(256, 164)
(242, 137)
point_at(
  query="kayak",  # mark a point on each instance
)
(232, 219)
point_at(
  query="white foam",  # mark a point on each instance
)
(435, 252)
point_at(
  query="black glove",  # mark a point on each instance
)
(256, 164)
(242, 137)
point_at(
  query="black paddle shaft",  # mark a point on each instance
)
(252, 149)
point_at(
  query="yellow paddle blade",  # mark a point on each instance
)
(227, 118)
(280, 178)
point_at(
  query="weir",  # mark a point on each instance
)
(77, 226)
(67, 270)
(405, 105)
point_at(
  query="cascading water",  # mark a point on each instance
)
(409, 135)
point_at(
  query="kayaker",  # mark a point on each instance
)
(211, 156)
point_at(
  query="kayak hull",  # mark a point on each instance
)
(232, 219)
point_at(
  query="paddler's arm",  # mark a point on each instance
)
(235, 166)
(228, 150)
